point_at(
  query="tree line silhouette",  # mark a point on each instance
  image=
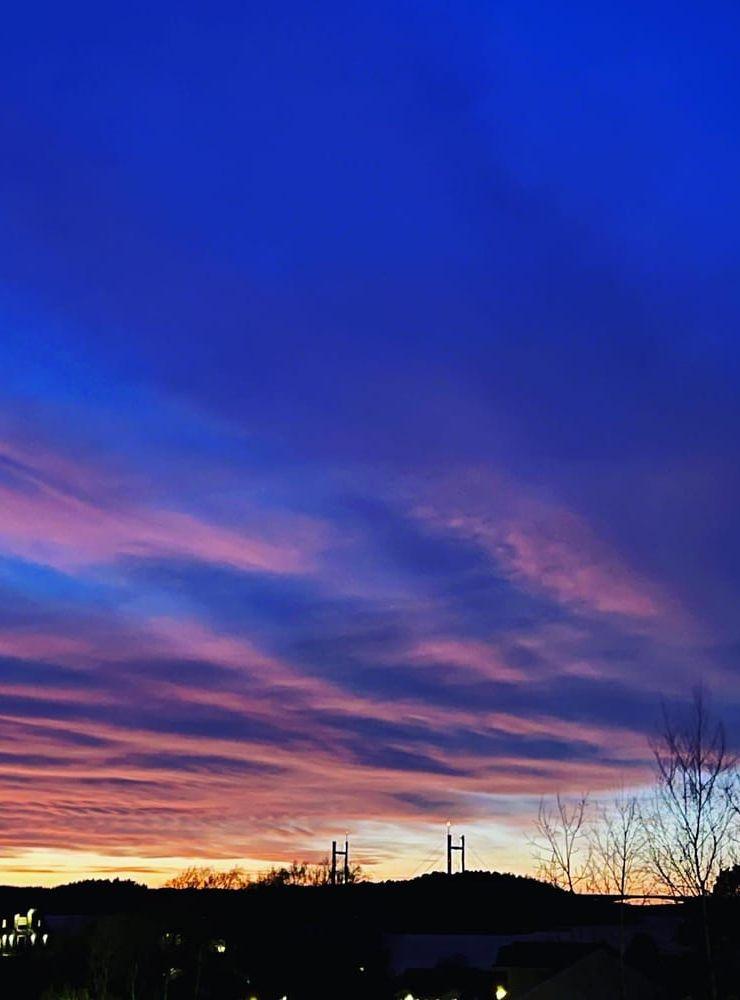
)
(296, 873)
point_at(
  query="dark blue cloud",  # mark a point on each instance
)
(192, 763)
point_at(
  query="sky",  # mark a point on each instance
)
(369, 420)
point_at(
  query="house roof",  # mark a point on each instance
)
(596, 976)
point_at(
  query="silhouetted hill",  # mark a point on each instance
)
(306, 941)
(470, 902)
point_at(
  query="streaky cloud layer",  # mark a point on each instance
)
(369, 428)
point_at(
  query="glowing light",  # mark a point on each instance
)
(501, 992)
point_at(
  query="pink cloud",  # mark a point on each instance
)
(276, 687)
(30, 644)
(153, 807)
(135, 798)
(46, 522)
(123, 790)
(476, 658)
(546, 548)
(563, 557)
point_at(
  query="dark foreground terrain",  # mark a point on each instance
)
(462, 936)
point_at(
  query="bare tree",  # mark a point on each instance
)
(319, 873)
(297, 873)
(617, 858)
(560, 846)
(618, 848)
(209, 878)
(306, 873)
(692, 825)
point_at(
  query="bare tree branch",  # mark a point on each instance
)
(692, 822)
(618, 848)
(560, 846)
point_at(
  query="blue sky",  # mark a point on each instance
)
(368, 434)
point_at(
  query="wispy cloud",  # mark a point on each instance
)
(47, 519)
(399, 664)
(545, 547)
